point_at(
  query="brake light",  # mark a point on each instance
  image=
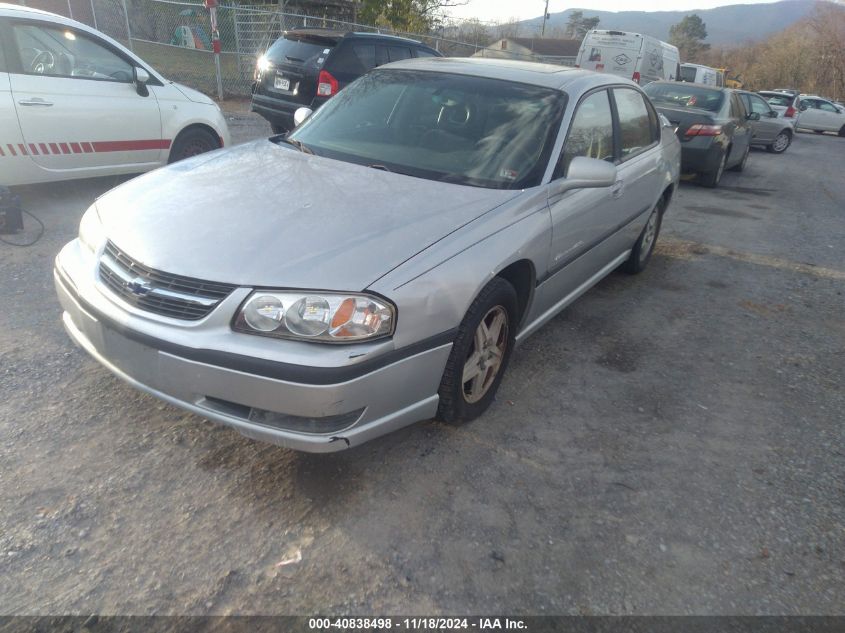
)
(636, 77)
(703, 130)
(790, 112)
(326, 84)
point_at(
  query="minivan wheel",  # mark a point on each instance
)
(781, 142)
(711, 179)
(644, 246)
(192, 142)
(480, 354)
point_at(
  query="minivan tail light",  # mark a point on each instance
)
(790, 112)
(326, 84)
(636, 77)
(704, 130)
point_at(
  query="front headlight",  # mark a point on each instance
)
(325, 316)
(91, 231)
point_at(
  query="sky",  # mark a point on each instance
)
(504, 10)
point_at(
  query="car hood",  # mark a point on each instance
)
(261, 214)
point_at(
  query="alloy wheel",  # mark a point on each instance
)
(486, 354)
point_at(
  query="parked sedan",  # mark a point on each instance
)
(74, 103)
(378, 265)
(820, 115)
(711, 123)
(769, 130)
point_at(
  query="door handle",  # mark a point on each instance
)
(616, 190)
(35, 102)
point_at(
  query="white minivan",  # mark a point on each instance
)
(699, 74)
(641, 58)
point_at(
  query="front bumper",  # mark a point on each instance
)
(259, 397)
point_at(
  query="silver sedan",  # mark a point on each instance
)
(378, 265)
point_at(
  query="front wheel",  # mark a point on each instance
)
(192, 142)
(480, 354)
(842, 131)
(644, 246)
(781, 142)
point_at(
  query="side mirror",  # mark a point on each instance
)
(586, 173)
(301, 114)
(141, 79)
(802, 107)
(754, 116)
(773, 114)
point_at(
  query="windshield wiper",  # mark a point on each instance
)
(302, 147)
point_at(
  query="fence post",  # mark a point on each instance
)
(211, 5)
(69, 10)
(94, 15)
(128, 30)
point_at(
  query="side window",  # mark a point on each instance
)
(636, 128)
(397, 53)
(423, 52)
(737, 109)
(827, 107)
(366, 55)
(46, 50)
(590, 134)
(381, 55)
(759, 106)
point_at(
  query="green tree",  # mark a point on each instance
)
(577, 25)
(415, 16)
(689, 35)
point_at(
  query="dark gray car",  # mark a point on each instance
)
(771, 130)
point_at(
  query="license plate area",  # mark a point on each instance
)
(281, 83)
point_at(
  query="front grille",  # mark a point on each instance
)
(154, 291)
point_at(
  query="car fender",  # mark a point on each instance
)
(178, 112)
(433, 291)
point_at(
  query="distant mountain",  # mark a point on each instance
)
(734, 24)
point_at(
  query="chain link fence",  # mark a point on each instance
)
(176, 37)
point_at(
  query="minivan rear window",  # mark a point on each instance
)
(297, 49)
(688, 74)
(682, 95)
(778, 100)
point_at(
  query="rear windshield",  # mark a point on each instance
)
(688, 74)
(292, 48)
(681, 95)
(777, 100)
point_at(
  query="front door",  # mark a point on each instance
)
(77, 104)
(769, 125)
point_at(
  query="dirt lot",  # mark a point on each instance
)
(672, 443)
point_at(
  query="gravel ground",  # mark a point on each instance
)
(670, 444)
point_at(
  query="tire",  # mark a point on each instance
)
(460, 400)
(740, 166)
(644, 246)
(279, 129)
(781, 143)
(842, 131)
(711, 178)
(192, 142)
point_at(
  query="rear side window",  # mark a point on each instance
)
(423, 52)
(779, 100)
(353, 58)
(591, 132)
(636, 127)
(397, 53)
(292, 49)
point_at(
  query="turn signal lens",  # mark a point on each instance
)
(328, 317)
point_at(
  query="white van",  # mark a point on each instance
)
(639, 57)
(698, 74)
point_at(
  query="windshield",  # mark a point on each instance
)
(682, 95)
(455, 128)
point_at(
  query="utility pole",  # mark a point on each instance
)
(545, 17)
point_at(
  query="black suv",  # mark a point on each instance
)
(306, 67)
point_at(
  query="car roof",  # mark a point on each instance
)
(340, 34)
(535, 73)
(697, 85)
(17, 8)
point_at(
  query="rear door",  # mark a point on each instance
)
(740, 129)
(77, 104)
(812, 117)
